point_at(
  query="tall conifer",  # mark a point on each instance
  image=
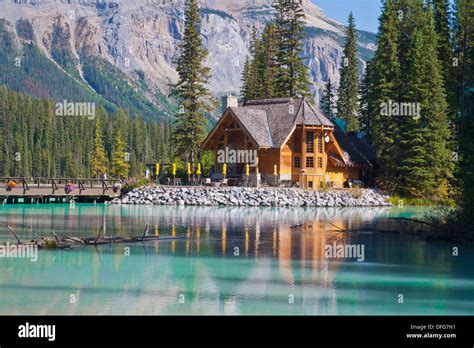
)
(365, 102)
(443, 26)
(327, 103)
(120, 167)
(292, 78)
(434, 111)
(347, 103)
(190, 124)
(99, 159)
(386, 73)
(464, 103)
(267, 66)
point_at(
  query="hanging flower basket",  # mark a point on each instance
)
(10, 185)
(69, 188)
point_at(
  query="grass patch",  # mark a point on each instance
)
(422, 202)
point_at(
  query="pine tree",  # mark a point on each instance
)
(424, 161)
(438, 150)
(464, 103)
(69, 169)
(366, 90)
(246, 91)
(410, 160)
(51, 146)
(267, 67)
(254, 40)
(46, 139)
(386, 73)
(328, 100)
(99, 159)
(190, 124)
(413, 151)
(292, 77)
(251, 84)
(347, 103)
(120, 167)
(412, 166)
(442, 16)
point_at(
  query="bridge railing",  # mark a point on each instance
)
(81, 184)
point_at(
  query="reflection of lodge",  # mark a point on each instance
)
(161, 280)
(307, 149)
(299, 251)
(149, 282)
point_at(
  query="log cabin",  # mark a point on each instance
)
(294, 145)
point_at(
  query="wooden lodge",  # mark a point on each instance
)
(308, 149)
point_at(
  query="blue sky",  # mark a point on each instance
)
(366, 12)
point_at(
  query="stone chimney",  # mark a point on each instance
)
(229, 102)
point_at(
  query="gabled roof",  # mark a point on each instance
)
(359, 152)
(308, 115)
(271, 121)
(256, 123)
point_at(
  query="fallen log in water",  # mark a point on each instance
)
(69, 242)
(65, 242)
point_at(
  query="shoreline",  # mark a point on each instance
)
(251, 197)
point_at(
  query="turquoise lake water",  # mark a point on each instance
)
(236, 261)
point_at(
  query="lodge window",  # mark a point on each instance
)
(320, 162)
(309, 162)
(297, 143)
(297, 162)
(320, 143)
(310, 142)
(310, 184)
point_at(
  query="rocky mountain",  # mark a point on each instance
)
(136, 42)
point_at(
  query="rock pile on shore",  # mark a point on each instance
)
(246, 196)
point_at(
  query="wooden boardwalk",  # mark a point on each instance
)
(47, 190)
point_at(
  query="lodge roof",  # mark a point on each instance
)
(359, 152)
(256, 123)
(271, 121)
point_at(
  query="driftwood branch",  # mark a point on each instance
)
(56, 238)
(98, 236)
(68, 242)
(414, 220)
(297, 226)
(145, 232)
(340, 229)
(74, 239)
(10, 228)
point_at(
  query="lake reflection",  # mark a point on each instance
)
(231, 261)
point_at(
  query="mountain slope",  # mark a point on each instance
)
(53, 71)
(137, 42)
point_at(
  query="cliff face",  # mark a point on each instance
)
(141, 37)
